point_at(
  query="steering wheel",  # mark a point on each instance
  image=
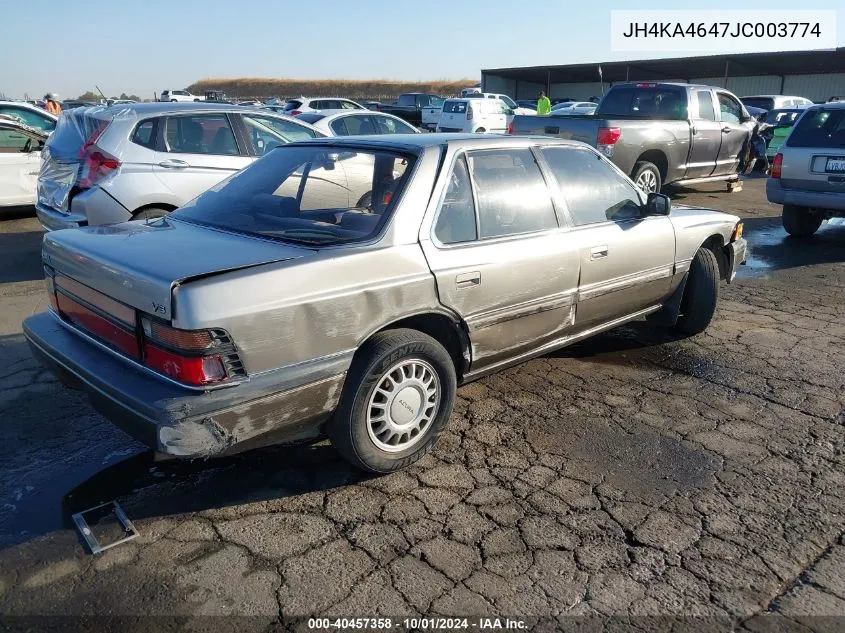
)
(27, 147)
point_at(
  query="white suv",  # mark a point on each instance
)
(326, 105)
(474, 115)
(178, 95)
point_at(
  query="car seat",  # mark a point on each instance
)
(224, 142)
(192, 138)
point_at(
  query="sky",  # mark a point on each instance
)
(144, 47)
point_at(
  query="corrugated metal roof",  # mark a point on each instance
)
(745, 64)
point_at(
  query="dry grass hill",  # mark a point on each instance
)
(376, 89)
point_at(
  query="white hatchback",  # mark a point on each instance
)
(474, 115)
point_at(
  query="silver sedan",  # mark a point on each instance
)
(348, 286)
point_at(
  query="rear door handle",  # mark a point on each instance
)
(468, 280)
(598, 252)
(173, 163)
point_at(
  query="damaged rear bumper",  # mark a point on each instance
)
(181, 422)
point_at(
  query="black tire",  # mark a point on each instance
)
(799, 221)
(173, 100)
(649, 173)
(348, 430)
(701, 294)
(149, 213)
(480, 130)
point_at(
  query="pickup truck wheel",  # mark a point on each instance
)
(700, 295)
(799, 221)
(398, 395)
(646, 175)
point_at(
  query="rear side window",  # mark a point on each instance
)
(348, 105)
(512, 195)
(388, 125)
(455, 107)
(145, 134)
(407, 100)
(456, 218)
(648, 101)
(200, 134)
(359, 125)
(594, 191)
(819, 128)
(705, 105)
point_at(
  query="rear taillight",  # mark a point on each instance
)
(469, 113)
(96, 164)
(606, 139)
(608, 135)
(294, 112)
(193, 357)
(777, 166)
(510, 127)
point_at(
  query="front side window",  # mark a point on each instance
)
(730, 109)
(14, 141)
(593, 190)
(314, 195)
(200, 134)
(512, 195)
(456, 217)
(348, 105)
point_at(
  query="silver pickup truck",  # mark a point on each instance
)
(659, 133)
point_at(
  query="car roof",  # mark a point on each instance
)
(416, 142)
(834, 105)
(159, 107)
(773, 97)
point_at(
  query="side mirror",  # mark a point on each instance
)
(658, 204)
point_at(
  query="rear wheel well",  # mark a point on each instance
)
(166, 207)
(445, 331)
(716, 244)
(658, 159)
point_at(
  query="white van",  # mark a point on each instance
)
(470, 91)
(505, 98)
(474, 115)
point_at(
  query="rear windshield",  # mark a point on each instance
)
(455, 107)
(764, 103)
(819, 128)
(73, 129)
(782, 118)
(318, 195)
(292, 105)
(648, 102)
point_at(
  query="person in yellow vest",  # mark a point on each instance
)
(544, 106)
(53, 106)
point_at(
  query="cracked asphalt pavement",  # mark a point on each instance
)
(633, 476)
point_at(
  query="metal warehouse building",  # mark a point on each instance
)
(816, 75)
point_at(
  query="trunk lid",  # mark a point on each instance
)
(139, 264)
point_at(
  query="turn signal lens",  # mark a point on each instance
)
(737, 233)
(190, 340)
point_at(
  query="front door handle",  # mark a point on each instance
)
(726, 130)
(468, 280)
(598, 252)
(173, 163)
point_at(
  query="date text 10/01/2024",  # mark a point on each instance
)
(722, 29)
(433, 624)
